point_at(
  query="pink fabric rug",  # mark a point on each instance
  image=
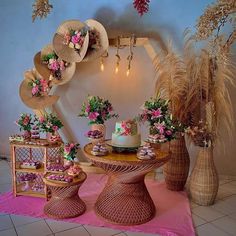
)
(173, 215)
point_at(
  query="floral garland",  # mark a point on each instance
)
(54, 64)
(39, 87)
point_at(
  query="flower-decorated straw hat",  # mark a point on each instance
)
(53, 68)
(71, 41)
(98, 40)
(34, 91)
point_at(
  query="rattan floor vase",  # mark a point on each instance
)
(204, 181)
(177, 168)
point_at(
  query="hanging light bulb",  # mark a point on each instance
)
(102, 60)
(117, 55)
(130, 57)
(127, 72)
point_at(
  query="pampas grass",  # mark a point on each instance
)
(197, 86)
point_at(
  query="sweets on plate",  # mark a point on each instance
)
(146, 153)
(57, 167)
(30, 164)
(60, 178)
(99, 149)
(16, 137)
(74, 171)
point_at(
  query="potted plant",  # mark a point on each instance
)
(50, 124)
(25, 123)
(97, 110)
(162, 126)
(204, 181)
(69, 152)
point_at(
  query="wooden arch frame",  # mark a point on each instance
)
(123, 42)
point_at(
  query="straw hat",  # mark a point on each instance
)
(103, 38)
(46, 73)
(64, 51)
(26, 94)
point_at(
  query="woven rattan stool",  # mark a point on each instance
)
(65, 201)
(125, 199)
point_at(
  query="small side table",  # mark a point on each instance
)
(65, 201)
(125, 199)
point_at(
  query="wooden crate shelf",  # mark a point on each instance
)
(21, 152)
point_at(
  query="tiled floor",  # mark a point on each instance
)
(217, 220)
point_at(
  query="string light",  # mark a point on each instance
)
(130, 57)
(102, 60)
(117, 55)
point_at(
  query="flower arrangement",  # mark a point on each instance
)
(94, 40)
(75, 39)
(25, 122)
(162, 126)
(200, 134)
(39, 87)
(55, 64)
(97, 110)
(49, 123)
(70, 151)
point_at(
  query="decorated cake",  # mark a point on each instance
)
(126, 134)
(74, 171)
(35, 132)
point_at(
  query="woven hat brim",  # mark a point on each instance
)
(34, 102)
(45, 72)
(93, 24)
(64, 51)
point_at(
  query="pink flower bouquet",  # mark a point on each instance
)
(39, 87)
(55, 65)
(25, 122)
(97, 110)
(70, 151)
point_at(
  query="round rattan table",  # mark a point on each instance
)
(125, 199)
(65, 201)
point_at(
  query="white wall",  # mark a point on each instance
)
(21, 39)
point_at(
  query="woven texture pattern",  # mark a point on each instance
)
(204, 182)
(65, 201)
(125, 199)
(176, 170)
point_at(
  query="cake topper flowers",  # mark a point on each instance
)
(70, 151)
(97, 110)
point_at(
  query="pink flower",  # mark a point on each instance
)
(54, 65)
(55, 128)
(72, 145)
(168, 132)
(160, 127)
(35, 90)
(87, 109)
(156, 113)
(67, 38)
(110, 108)
(26, 120)
(41, 119)
(67, 149)
(44, 85)
(93, 115)
(75, 39)
(62, 65)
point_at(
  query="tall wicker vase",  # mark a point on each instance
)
(204, 181)
(177, 168)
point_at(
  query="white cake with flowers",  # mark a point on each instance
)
(126, 134)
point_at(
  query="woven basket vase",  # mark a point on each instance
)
(177, 168)
(204, 182)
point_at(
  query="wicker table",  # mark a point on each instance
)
(65, 201)
(125, 199)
